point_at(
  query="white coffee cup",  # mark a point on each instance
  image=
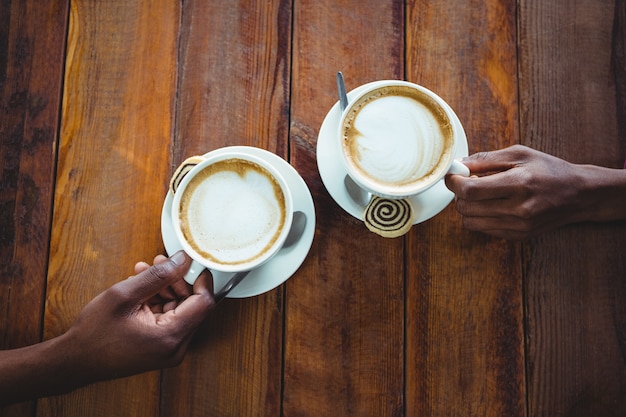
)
(231, 212)
(398, 139)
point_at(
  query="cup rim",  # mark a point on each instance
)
(375, 188)
(209, 159)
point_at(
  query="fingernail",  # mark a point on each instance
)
(179, 258)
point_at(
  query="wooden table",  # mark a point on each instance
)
(100, 100)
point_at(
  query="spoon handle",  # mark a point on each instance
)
(232, 283)
(297, 228)
(341, 88)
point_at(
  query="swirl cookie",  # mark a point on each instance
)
(182, 170)
(388, 218)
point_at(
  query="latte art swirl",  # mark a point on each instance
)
(231, 212)
(397, 140)
(388, 218)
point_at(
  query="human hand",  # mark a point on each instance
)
(140, 324)
(518, 192)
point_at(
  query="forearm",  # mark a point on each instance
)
(603, 193)
(141, 324)
(37, 371)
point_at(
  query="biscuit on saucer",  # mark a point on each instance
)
(388, 218)
(182, 170)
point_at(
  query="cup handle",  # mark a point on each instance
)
(458, 168)
(194, 272)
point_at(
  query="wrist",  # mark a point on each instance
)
(603, 193)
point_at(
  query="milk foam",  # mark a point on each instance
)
(396, 140)
(233, 216)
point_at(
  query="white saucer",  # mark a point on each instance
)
(425, 205)
(287, 261)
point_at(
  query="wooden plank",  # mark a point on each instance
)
(234, 90)
(112, 174)
(344, 339)
(32, 38)
(465, 352)
(572, 105)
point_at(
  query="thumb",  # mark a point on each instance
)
(149, 282)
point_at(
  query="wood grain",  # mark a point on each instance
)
(441, 322)
(233, 90)
(32, 39)
(575, 282)
(344, 327)
(464, 350)
(112, 174)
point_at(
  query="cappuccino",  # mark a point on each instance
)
(396, 139)
(232, 212)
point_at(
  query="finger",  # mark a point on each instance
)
(140, 267)
(159, 259)
(501, 207)
(193, 310)
(181, 289)
(170, 305)
(164, 294)
(490, 187)
(188, 315)
(167, 299)
(168, 293)
(498, 160)
(156, 308)
(204, 282)
(149, 282)
(455, 183)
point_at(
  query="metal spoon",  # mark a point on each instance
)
(358, 195)
(297, 228)
(341, 87)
